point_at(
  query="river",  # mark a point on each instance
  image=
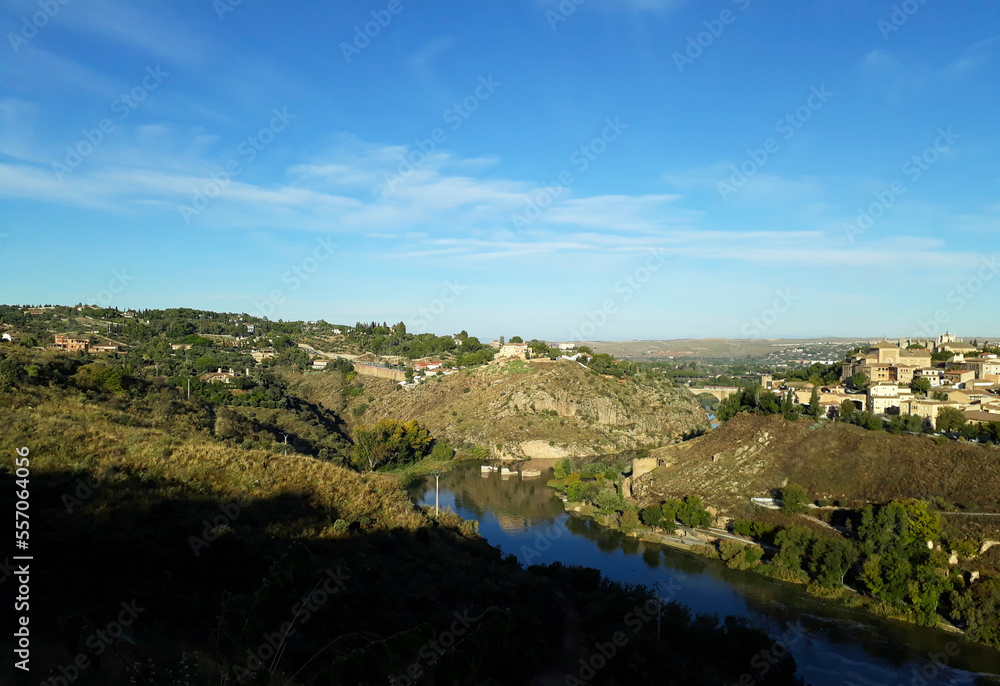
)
(832, 644)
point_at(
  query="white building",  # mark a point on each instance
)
(885, 396)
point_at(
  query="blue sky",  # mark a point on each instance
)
(529, 167)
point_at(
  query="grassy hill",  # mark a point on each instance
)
(753, 455)
(521, 409)
(834, 461)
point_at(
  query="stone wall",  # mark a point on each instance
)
(380, 372)
(643, 465)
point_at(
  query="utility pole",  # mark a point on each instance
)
(286, 442)
(437, 483)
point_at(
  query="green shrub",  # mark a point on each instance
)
(652, 515)
(562, 468)
(753, 529)
(629, 521)
(794, 499)
(609, 501)
(693, 513)
(737, 555)
(442, 451)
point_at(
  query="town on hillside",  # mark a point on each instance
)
(944, 385)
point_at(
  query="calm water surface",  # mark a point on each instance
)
(840, 646)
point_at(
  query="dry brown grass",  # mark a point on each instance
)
(835, 462)
(507, 405)
(65, 436)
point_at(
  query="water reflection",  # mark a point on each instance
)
(840, 646)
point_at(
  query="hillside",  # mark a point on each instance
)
(166, 551)
(537, 409)
(836, 462)
(135, 500)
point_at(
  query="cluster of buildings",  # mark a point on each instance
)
(512, 351)
(220, 376)
(967, 383)
(71, 344)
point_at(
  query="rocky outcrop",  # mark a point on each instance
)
(541, 450)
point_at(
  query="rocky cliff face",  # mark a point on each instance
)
(541, 409)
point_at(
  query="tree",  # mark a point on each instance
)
(794, 499)
(793, 544)
(10, 373)
(848, 410)
(516, 339)
(860, 381)
(814, 402)
(950, 419)
(389, 442)
(869, 420)
(562, 468)
(693, 513)
(652, 515)
(831, 559)
(670, 509)
(920, 385)
(788, 403)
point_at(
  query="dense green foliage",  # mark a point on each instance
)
(752, 399)
(888, 559)
(794, 499)
(389, 442)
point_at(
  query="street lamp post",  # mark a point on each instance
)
(437, 483)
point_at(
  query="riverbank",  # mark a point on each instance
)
(845, 644)
(705, 543)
